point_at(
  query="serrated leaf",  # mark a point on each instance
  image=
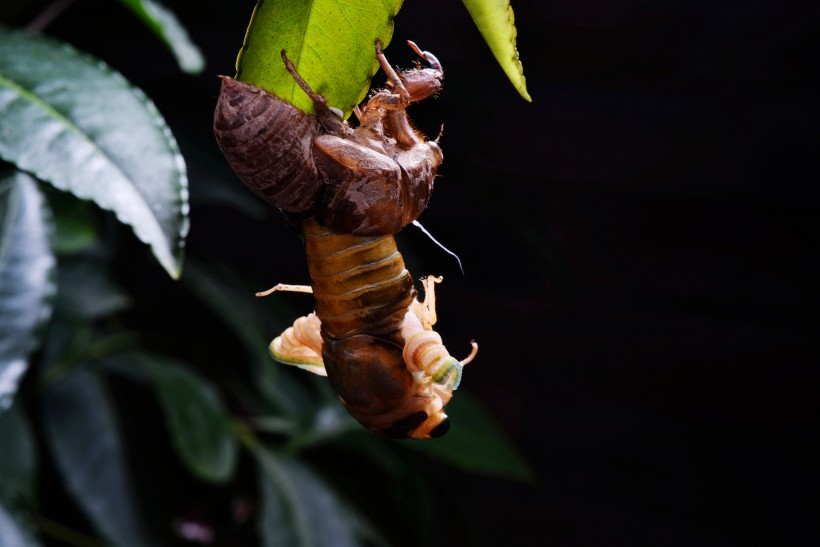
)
(14, 532)
(73, 122)
(496, 22)
(26, 278)
(298, 508)
(18, 464)
(83, 435)
(167, 27)
(200, 428)
(331, 43)
(476, 443)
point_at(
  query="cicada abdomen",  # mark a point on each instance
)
(390, 369)
(269, 144)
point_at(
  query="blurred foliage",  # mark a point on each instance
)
(109, 436)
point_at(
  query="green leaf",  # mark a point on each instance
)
(18, 466)
(332, 44)
(14, 532)
(75, 123)
(75, 222)
(88, 292)
(298, 508)
(200, 428)
(476, 443)
(83, 435)
(496, 22)
(167, 27)
(244, 314)
(26, 278)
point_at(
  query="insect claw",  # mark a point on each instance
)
(416, 48)
(427, 56)
(392, 76)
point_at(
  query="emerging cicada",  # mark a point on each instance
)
(353, 189)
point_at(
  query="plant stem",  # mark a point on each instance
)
(49, 14)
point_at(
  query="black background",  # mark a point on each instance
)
(640, 247)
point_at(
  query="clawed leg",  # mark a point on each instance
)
(427, 56)
(402, 95)
(330, 117)
(426, 309)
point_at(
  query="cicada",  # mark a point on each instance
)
(351, 190)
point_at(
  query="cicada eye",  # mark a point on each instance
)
(441, 429)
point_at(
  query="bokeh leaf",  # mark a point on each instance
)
(14, 532)
(18, 465)
(93, 294)
(75, 123)
(332, 44)
(246, 317)
(167, 27)
(298, 508)
(26, 278)
(496, 22)
(199, 425)
(83, 435)
(476, 443)
(75, 222)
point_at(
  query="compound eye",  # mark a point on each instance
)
(339, 114)
(441, 429)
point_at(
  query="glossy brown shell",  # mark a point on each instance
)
(268, 142)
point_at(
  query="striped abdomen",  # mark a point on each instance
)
(269, 144)
(363, 293)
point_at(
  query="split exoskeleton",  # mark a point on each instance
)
(352, 189)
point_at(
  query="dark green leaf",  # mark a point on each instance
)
(199, 425)
(245, 316)
(331, 43)
(13, 531)
(83, 435)
(496, 22)
(88, 292)
(26, 278)
(476, 443)
(18, 464)
(298, 508)
(75, 222)
(165, 24)
(75, 123)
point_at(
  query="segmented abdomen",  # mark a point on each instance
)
(268, 143)
(360, 283)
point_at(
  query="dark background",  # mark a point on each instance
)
(640, 247)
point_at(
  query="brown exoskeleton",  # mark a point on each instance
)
(354, 189)
(369, 181)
